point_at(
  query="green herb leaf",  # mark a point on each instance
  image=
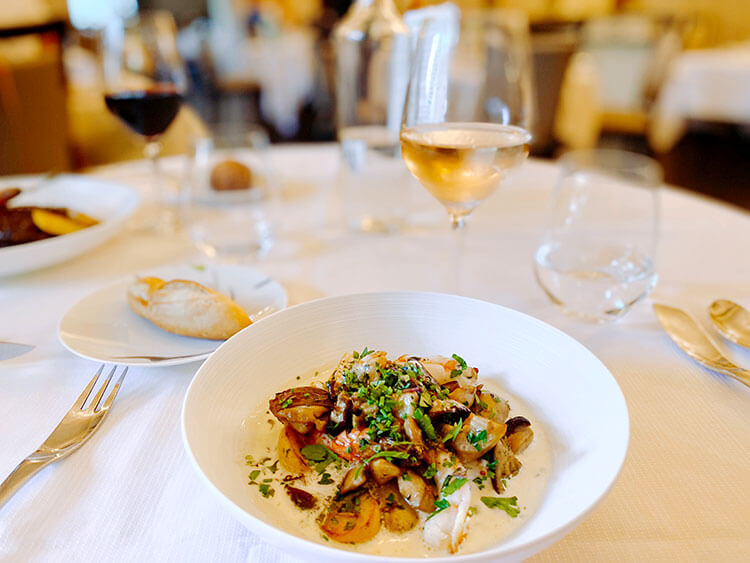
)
(430, 472)
(440, 505)
(424, 422)
(451, 435)
(388, 454)
(508, 504)
(254, 474)
(450, 486)
(325, 479)
(266, 490)
(460, 360)
(320, 456)
(477, 439)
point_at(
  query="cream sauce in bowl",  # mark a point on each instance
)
(485, 527)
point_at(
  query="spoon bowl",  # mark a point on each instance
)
(731, 320)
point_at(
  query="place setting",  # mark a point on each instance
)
(217, 370)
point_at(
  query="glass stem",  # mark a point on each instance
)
(164, 218)
(153, 150)
(458, 224)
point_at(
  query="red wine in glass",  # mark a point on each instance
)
(147, 112)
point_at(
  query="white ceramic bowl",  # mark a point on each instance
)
(565, 386)
(109, 202)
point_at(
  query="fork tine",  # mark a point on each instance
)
(81, 400)
(115, 389)
(98, 397)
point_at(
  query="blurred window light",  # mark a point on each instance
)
(94, 14)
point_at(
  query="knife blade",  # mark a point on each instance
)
(9, 350)
(692, 339)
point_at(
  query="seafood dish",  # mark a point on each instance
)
(414, 452)
(22, 224)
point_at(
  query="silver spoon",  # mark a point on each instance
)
(731, 320)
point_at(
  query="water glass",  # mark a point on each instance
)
(228, 196)
(596, 257)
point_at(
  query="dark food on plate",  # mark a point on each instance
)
(231, 175)
(406, 440)
(30, 223)
(187, 308)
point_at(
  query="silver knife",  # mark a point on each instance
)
(688, 335)
(10, 350)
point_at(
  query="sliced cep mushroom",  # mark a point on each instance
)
(464, 395)
(478, 435)
(491, 406)
(447, 411)
(518, 434)
(507, 465)
(383, 470)
(398, 516)
(353, 519)
(353, 480)
(288, 448)
(416, 491)
(303, 408)
(301, 498)
(413, 432)
(340, 415)
(406, 403)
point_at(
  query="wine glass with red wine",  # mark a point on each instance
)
(144, 85)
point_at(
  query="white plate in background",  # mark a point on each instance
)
(108, 202)
(103, 327)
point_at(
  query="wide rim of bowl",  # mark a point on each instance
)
(278, 537)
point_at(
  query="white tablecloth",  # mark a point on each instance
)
(706, 84)
(131, 495)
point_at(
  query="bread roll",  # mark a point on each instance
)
(231, 175)
(187, 308)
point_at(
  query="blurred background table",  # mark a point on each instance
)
(131, 493)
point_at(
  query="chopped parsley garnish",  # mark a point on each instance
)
(477, 439)
(508, 504)
(461, 366)
(320, 456)
(440, 505)
(254, 474)
(479, 482)
(288, 402)
(451, 485)
(430, 472)
(425, 424)
(426, 400)
(472, 511)
(451, 435)
(266, 490)
(362, 354)
(325, 479)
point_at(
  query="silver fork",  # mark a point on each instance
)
(74, 430)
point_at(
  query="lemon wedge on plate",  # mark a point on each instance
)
(57, 224)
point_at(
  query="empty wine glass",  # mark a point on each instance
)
(144, 84)
(468, 110)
